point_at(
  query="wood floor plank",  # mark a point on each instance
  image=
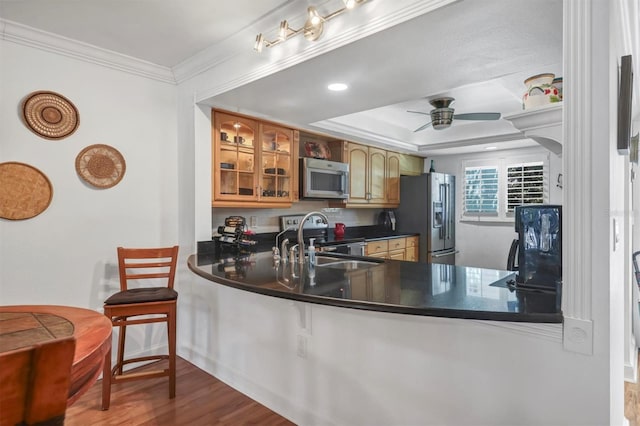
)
(201, 399)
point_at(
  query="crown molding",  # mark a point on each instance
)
(369, 136)
(387, 14)
(49, 42)
(537, 118)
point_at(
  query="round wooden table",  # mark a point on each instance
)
(26, 325)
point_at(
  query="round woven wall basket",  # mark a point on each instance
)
(50, 115)
(101, 166)
(25, 191)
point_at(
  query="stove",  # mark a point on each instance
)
(314, 227)
(293, 221)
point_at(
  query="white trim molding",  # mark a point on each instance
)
(543, 125)
(577, 203)
(49, 42)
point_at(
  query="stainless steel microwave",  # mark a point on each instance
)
(323, 179)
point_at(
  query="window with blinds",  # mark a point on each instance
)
(481, 190)
(525, 184)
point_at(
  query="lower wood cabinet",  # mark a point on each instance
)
(403, 248)
(412, 249)
(377, 248)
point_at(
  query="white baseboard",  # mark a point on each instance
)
(631, 370)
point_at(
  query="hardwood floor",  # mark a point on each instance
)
(201, 399)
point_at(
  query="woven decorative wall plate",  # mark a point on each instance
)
(25, 191)
(50, 115)
(101, 165)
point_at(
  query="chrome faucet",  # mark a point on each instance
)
(281, 251)
(300, 236)
(292, 257)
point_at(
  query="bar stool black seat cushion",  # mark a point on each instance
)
(141, 295)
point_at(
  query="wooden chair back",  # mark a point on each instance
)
(147, 263)
(34, 383)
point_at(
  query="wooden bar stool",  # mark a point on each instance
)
(143, 305)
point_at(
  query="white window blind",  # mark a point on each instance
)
(525, 184)
(491, 187)
(481, 190)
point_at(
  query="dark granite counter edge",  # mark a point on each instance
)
(390, 237)
(381, 307)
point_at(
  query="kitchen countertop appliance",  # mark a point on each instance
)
(428, 206)
(538, 249)
(387, 218)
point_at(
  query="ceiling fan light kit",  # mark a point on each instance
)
(442, 116)
(312, 30)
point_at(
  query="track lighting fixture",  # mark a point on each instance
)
(312, 30)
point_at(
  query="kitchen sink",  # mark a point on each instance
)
(346, 264)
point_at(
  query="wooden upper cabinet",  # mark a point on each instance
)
(358, 159)
(393, 177)
(374, 177)
(377, 176)
(234, 158)
(411, 165)
(276, 171)
(253, 163)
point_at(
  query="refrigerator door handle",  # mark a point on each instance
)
(445, 206)
(443, 227)
(449, 253)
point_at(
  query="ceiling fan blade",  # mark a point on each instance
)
(422, 127)
(419, 112)
(478, 116)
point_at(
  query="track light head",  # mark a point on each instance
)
(283, 32)
(314, 17)
(259, 44)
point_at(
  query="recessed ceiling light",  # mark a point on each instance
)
(491, 148)
(337, 87)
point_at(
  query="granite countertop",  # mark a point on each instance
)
(388, 286)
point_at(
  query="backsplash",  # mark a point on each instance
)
(266, 220)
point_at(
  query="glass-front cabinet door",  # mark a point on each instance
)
(276, 164)
(234, 158)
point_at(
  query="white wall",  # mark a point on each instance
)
(67, 254)
(473, 238)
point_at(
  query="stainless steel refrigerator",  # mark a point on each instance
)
(427, 206)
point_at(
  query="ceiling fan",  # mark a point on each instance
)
(442, 115)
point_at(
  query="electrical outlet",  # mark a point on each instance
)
(301, 350)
